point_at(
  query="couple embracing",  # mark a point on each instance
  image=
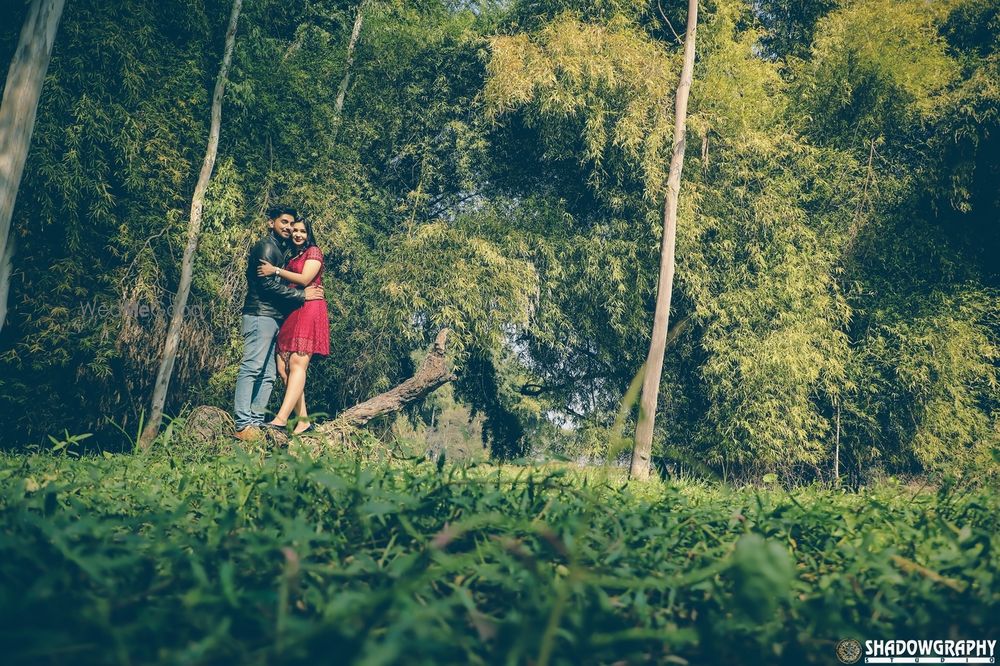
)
(284, 323)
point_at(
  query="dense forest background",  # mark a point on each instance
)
(497, 167)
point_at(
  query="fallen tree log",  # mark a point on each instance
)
(206, 423)
(432, 373)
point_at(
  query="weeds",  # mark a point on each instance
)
(277, 558)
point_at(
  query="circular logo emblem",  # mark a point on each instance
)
(848, 651)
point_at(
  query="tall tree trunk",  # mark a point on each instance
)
(169, 354)
(6, 269)
(836, 449)
(342, 91)
(17, 119)
(654, 360)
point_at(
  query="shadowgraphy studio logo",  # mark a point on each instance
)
(848, 651)
(917, 652)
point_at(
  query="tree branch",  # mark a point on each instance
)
(433, 373)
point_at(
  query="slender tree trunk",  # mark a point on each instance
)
(342, 91)
(6, 270)
(654, 360)
(17, 119)
(836, 449)
(194, 229)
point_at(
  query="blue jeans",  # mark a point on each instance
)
(257, 371)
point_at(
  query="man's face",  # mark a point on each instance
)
(282, 225)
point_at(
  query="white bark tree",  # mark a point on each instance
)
(172, 342)
(17, 119)
(643, 446)
(359, 19)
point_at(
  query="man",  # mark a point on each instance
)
(266, 304)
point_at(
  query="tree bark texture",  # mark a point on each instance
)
(17, 119)
(169, 355)
(642, 449)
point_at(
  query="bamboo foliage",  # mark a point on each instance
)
(611, 80)
(500, 169)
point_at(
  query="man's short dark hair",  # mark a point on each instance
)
(275, 212)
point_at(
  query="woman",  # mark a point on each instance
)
(305, 332)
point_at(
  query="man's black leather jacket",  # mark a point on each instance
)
(268, 296)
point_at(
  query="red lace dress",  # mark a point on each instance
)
(307, 329)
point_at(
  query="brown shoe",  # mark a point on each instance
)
(248, 434)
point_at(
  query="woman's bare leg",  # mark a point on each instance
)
(297, 366)
(303, 416)
(282, 369)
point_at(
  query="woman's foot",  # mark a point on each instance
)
(279, 426)
(303, 427)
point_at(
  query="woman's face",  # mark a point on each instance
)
(299, 234)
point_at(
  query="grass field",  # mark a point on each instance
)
(245, 558)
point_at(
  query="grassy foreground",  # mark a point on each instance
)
(238, 558)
